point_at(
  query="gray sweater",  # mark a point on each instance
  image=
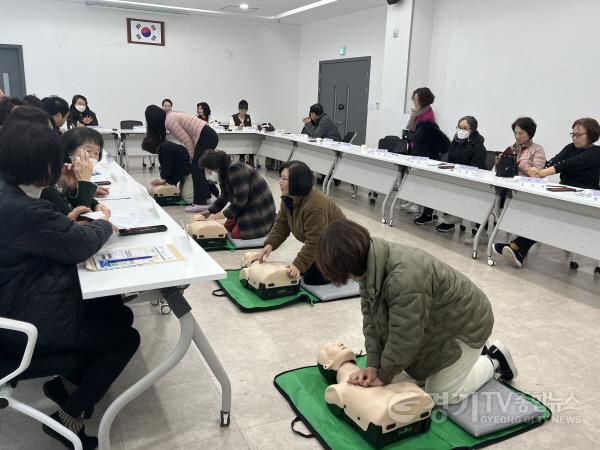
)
(323, 127)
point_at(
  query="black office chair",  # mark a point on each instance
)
(349, 137)
(130, 125)
(490, 160)
(14, 369)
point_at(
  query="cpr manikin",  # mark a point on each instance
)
(383, 414)
(268, 280)
(207, 233)
(165, 194)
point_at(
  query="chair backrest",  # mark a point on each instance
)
(349, 137)
(31, 332)
(129, 124)
(490, 159)
(388, 143)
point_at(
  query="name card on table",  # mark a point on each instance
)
(466, 170)
(421, 160)
(531, 183)
(590, 195)
(377, 152)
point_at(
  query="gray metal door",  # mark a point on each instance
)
(344, 94)
(12, 73)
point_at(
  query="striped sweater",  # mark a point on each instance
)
(185, 128)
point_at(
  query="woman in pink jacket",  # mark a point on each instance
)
(528, 153)
(194, 135)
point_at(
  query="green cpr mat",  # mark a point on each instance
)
(247, 300)
(304, 389)
(232, 244)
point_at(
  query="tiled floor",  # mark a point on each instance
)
(548, 315)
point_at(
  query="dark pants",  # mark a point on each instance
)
(209, 139)
(313, 276)
(106, 343)
(428, 211)
(524, 244)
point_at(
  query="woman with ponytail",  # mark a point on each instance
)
(194, 135)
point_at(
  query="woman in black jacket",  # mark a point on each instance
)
(467, 149)
(175, 166)
(578, 165)
(80, 115)
(39, 252)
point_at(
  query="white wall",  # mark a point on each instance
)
(70, 48)
(500, 60)
(362, 34)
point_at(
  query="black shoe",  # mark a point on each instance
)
(497, 248)
(507, 370)
(337, 182)
(56, 392)
(423, 219)
(514, 257)
(87, 442)
(445, 227)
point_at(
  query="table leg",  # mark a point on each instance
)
(393, 207)
(387, 197)
(190, 330)
(491, 261)
(482, 228)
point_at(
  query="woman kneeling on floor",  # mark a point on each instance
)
(251, 210)
(420, 315)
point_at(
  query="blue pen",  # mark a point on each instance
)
(112, 261)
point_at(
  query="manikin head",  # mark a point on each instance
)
(333, 354)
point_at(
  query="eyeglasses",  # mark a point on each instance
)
(282, 178)
(577, 135)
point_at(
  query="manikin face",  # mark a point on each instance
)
(580, 138)
(284, 182)
(521, 135)
(333, 354)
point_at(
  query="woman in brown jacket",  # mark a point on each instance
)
(251, 210)
(305, 212)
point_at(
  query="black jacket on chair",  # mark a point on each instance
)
(468, 152)
(174, 162)
(428, 140)
(39, 250)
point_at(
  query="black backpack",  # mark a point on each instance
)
(507, 166)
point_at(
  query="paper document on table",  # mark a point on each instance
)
(132, 220)
(93, 215)
(133, 257)
(115, 195)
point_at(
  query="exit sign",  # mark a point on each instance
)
(342, 51)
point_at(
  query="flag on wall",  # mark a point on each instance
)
(145, 32)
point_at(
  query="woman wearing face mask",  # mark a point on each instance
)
(578, 165)
(74, 193)
(80, 115)
(467, 149)
(251, 210)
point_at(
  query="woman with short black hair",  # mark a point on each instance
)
(245, 200)
(420, 315)
(39, 252)
(203, 111)
(80, 115)
(305, 212)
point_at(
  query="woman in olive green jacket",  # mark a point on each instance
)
(305, 212)
(419, 315)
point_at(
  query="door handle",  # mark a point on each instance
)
(6, 82)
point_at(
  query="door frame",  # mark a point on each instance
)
(342, 60)
(21, 63)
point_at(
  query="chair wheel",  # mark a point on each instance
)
(574, 265)
(165, 309)
(491, 262)
(154, 302)
(372, 201)
(463, 228)
(353, 195)
(597, 271)
(391, 222)
(383, 220)
(225, 418)
(475, 254)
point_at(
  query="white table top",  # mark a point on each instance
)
(197, 267)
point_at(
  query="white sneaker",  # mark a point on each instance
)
(484, 239)
(413, 209)
(405, 205)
